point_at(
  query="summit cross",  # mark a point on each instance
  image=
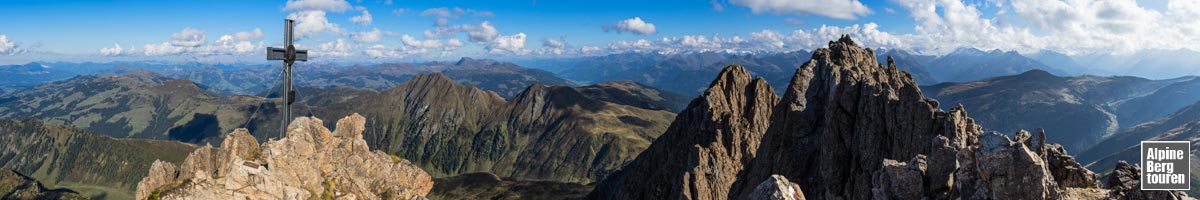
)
(289, 55)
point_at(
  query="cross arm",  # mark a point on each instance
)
(281, 54)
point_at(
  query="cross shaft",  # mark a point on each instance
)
(289, 56)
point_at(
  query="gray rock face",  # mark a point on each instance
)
(942, 164)
(837, 132)
(1009, 170)
(702, 152)
(1067, 172)
(777, 188)
(1124, 184)
(898, 180)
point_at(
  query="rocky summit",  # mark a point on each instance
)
(310, 162)
(847, 127)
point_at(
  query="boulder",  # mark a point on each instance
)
(899, 180)
(1010, 170)
(777, 188)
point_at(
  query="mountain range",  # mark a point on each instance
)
(969, 64)
(1082, 110)
(1151, 63)
(458, 128)
(545, 132)
(672, 72)
(141, 104)
(506, 79)
(676, 72)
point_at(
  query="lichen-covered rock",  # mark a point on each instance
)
(1124, 181)
(1067, 172)
(942, 163)
(161, 174)
(309, 162)
(241, 144)
(777, 188)
(899, 180)
(1011, 171)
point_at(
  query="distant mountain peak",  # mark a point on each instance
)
(1037, 72)
(464, 60)
(472, 61)
(967, 50)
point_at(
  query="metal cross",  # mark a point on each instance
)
(289, 56)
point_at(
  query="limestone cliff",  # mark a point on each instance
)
(310, 162)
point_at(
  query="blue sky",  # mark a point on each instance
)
(155, 30)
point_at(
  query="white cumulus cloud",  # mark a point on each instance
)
(163, 49)
(485, 32)
(552, 46)
(255, 34)
(367, 36)
(510, 44)
(364, 19)
(425, 44)
(8, 47)
(193, 42)
(312, 22)
(189, 37)
(116, 50)
(337, 48)
(634, 25)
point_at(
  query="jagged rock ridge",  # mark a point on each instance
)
(310, 162)
(838, 132)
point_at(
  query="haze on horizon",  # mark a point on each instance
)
(376, 31)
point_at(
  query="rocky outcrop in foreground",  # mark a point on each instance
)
(1124, 182)
(310, 162)
(846, 127)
